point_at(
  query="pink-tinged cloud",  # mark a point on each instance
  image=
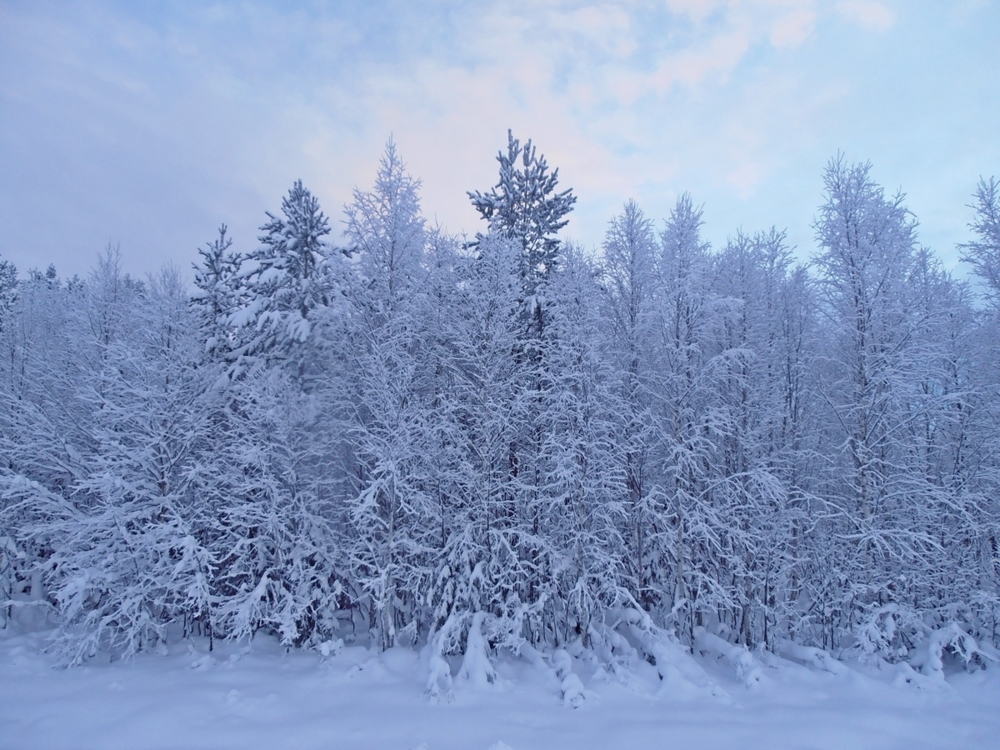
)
(692, 66)
(793, 29)
(868, 14)
(696, 10)
(124, 122)
(745, 178)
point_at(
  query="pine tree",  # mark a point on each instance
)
(525, 207)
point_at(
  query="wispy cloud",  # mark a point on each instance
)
(152, 124)
(868, 14)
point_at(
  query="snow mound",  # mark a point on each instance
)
(747, 669)
(477, 669)
(681, 676)
(952, 640)
(570, 684)
(815, 657)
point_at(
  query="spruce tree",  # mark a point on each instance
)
(291, 285)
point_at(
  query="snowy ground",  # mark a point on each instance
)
(266, 698)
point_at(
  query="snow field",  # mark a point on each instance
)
(261, 696)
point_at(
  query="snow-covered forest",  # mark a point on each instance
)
(362, 429)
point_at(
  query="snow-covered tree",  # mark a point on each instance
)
(630, 251)
(509, 444)
(293, 279)
(274, 490)
(8, 289)
(984, 251)
(875, 356)
(392, 512)
(585, 492)
(386, 233)
(124, 558)
(484, 568)
(525, 207)
(217, 294)
(759, 425)
(680, 571)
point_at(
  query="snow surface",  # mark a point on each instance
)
(260, 696)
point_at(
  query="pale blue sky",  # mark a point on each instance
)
(150, 123)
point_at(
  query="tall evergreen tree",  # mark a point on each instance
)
(294, 279)
(217, 294)
(525, 207)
